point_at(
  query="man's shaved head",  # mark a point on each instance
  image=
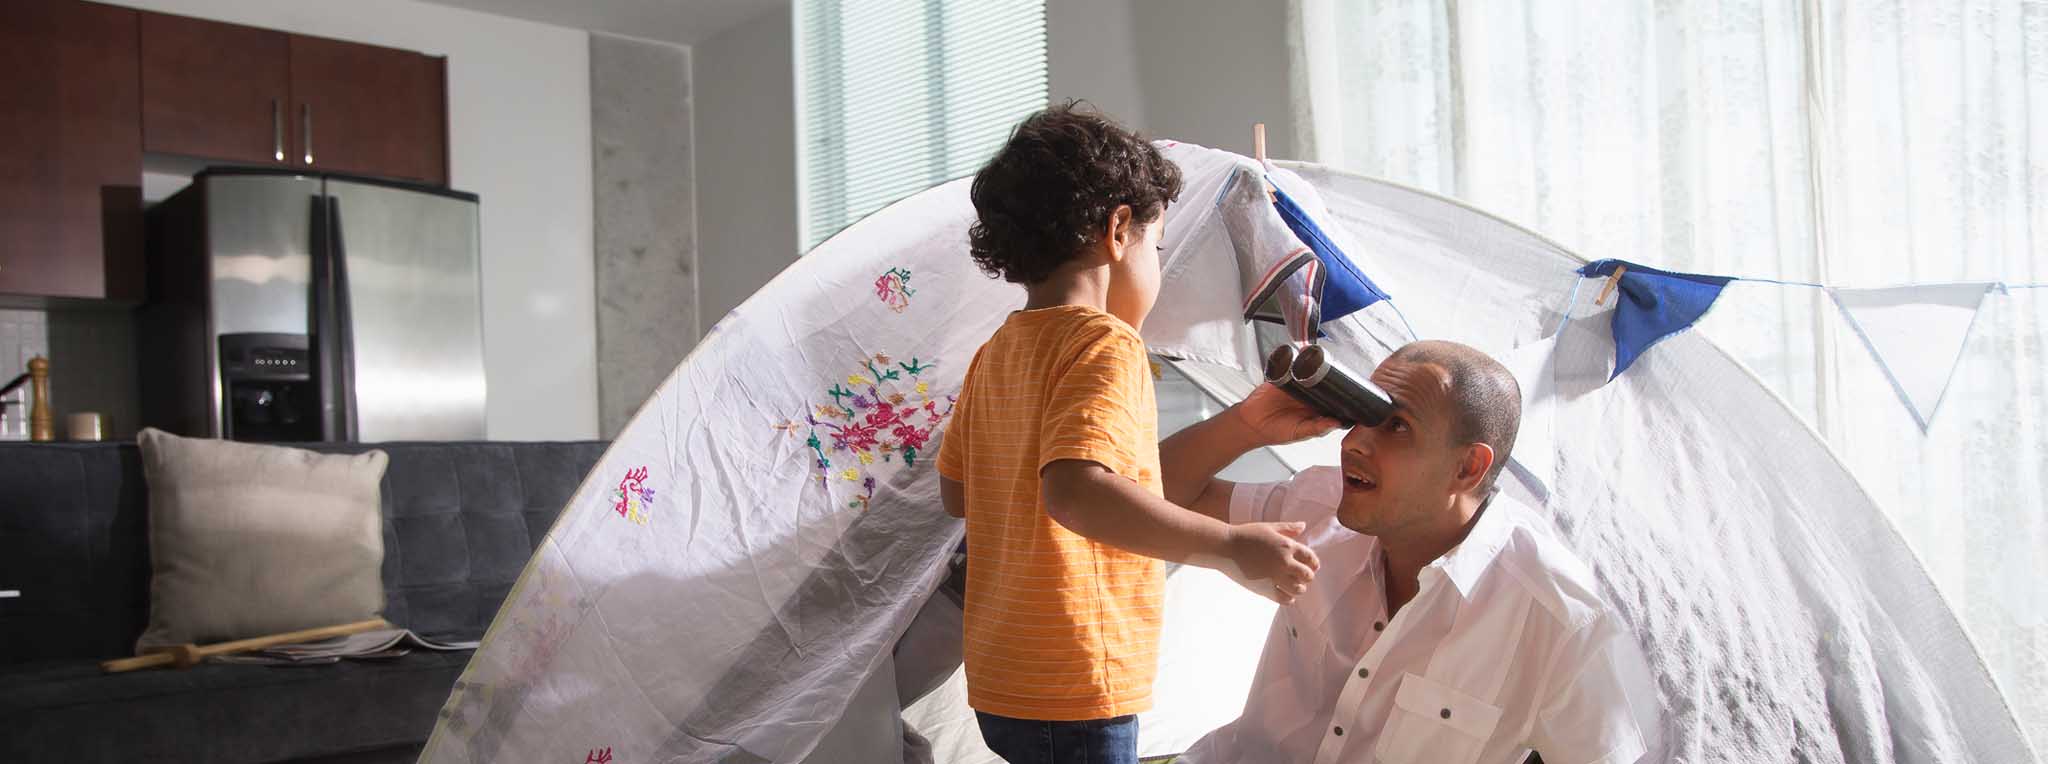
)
(1486, 400)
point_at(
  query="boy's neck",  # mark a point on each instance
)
(1087, 287)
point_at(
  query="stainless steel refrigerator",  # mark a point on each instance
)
(297, 307)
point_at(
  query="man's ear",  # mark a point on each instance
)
(1119, 232)
(1473, 467)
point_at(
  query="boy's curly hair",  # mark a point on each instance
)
(1046, 194)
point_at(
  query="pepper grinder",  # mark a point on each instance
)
(41, 425)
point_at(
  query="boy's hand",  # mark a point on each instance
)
(1276, 418)
(1263, 551)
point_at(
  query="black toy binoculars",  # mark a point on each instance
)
(1314, 378)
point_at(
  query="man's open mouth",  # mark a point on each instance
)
(1357, 480)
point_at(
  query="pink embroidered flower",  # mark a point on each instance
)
(856, 437)
(874, 414)
(911, 436)
(630, 488)
(893, 289)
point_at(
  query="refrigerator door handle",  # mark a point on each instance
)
(333, 345)
(326, 358)
(343, 318)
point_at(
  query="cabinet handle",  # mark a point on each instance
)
(276, 130)
(308, 114)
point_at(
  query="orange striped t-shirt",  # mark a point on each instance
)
(1058, 627)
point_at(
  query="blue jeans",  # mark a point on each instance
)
(1096, 741)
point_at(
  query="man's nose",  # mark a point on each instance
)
(1359, 439)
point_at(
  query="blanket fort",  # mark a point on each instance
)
(747, 553)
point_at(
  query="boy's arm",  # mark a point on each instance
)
(1190, 459)
(1090, 500)
(953, 495)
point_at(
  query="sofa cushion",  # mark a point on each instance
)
(247, 540)
(460, 520)
(69, 711)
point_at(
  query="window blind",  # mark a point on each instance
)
(895, 96)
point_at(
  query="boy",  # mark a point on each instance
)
(1052, 454)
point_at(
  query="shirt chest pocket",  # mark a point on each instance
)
(1432, 722)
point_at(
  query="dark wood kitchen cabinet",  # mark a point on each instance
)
(256, 96)
(365, 109)
(214, 90)
(86, 89)
(70, 152)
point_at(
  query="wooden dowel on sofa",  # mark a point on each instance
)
(185, 655)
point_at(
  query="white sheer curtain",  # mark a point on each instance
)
(1858, 144)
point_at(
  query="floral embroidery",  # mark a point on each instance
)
(633, 500)
(893, 289)
(599, 756)
(873, 419)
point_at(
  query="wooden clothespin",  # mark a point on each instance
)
(1613, 280)
(1259, 153)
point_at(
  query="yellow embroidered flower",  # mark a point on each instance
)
(830, 412)
(850, 474)
(867, 458)
(856, 379)
(923, 387)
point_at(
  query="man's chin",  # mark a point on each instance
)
(1356, 519)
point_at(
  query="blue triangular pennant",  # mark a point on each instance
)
(1653, 305)
(1346, 290)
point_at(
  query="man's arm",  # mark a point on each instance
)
(1191, 458)
(1599, 684)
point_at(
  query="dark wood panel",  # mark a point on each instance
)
(370, 110)
(215, 90)
(70, 150)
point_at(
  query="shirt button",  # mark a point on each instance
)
(1446, 714)
(1379, 626)
(1339, 731)
(1362, 673)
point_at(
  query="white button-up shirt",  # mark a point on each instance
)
(1507, 647)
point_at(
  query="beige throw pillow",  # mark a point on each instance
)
(247, 540)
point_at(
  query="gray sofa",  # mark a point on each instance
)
(460, 521)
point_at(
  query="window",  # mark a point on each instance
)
(895, 96)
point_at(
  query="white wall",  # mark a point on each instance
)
(519, 137)
(1201, 71)
(746, 161)
(1191, 70)
(1091, 54)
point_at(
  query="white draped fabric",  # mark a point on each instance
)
(734, 581)
(1857, 144)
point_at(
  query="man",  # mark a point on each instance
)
(1447, 622)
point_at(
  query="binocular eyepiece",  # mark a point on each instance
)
(1314, 378)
